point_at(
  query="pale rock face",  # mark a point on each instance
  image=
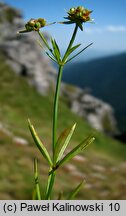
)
(99, 114)
(23, 53)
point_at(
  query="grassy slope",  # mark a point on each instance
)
(103, 162)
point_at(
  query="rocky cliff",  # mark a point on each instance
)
(27, 59)
(98, 113)
(22, 51)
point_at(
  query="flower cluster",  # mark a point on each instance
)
(35, 24)
(79, 14)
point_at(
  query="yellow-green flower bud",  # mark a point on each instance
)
(80, 8)
(31, 22)
(37, 26)
(72, 10)
(42, 22)
(28, 27)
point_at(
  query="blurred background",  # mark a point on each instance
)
(93, 94)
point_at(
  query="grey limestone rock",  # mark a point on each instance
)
(99, 114)
(22, 51)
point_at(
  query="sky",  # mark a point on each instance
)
(108, 33)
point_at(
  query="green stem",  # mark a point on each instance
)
(44, 41)
(71, 42)
(37, 187)
(50, 183)
(55, 111)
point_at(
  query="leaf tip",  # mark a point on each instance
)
(74, 126)
(29, 122)
(93, 139)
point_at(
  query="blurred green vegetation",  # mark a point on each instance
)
(102, 164)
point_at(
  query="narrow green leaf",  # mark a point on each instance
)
(51, 57)
(80, 26)
(45, 41)
(79, 52)
(59, 143)
(23, 31)
(76, 150)
(72, 50)
(39, 43)
(36, 193)
(75, 191)
(50, 23)
(39, 144)
(56, 50)
(66, 22)
(53, 46)
(62, 142)
(67, 134)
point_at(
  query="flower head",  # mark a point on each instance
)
(78, 15)
(34, 25)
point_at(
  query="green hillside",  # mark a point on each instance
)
(102, 164)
